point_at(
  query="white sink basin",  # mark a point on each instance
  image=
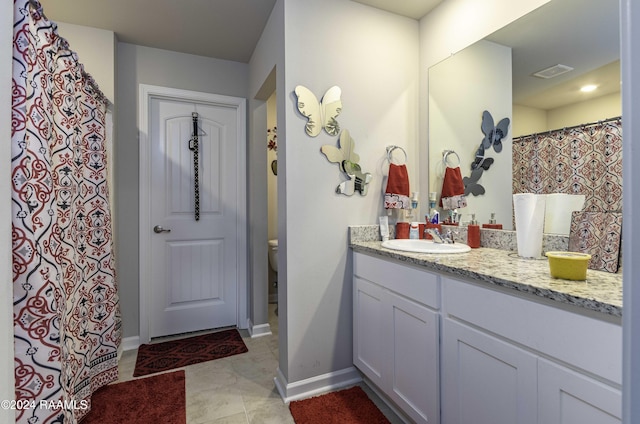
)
(425, 246)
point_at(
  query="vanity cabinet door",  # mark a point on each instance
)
(567, 397)
(486, 380)
(368, 341)
(413, 344)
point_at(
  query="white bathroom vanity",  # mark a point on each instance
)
(486, 338)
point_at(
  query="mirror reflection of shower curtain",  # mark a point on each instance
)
(66, 308)
(585, 159)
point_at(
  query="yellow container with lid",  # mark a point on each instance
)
(568, 265)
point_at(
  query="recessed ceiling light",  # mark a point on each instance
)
(588, 88)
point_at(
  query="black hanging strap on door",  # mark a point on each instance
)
(193, 146)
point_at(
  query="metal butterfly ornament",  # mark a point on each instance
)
(471, 185)
(347, 160)
(320, 114)
(493, 136)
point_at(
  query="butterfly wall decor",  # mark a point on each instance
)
(347, 159)
(320, 114)
(471, 185)
(493, 136)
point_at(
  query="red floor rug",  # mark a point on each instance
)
(350, 406)
(157, 357)
(150, 400)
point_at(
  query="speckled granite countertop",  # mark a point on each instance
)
(601, 292)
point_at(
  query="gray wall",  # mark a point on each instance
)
(142, 65)
(266, 75)
(373, 57)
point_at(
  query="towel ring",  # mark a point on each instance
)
(390, 150)
(445, 156)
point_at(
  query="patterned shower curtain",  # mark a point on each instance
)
(66, 310)
(581, 160)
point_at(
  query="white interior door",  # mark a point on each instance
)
(193, 264)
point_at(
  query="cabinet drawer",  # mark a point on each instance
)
(418, 285)
(587, 343)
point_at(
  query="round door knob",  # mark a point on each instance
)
(158, 229)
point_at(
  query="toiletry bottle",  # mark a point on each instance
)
(473, 232)
(410, 213)
(414, 230)
(414, 200)
(453, 218)
(492, 223)
(434, 215)
(384, 228)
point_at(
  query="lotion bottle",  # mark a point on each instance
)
(473, 232)
(384, 228)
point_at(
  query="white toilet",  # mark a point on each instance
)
(273, 254)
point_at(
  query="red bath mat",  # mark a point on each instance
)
(156, 357)
(156, 399)
(350, 406)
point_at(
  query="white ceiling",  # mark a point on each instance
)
(415, 9)
(224, 29)
(583, 34)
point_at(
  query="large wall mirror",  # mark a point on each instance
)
(497, 74)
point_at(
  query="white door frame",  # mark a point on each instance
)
(146, 94)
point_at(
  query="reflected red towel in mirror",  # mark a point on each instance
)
(452, 196)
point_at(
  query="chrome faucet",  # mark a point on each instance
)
(439, 238)
(435, 234)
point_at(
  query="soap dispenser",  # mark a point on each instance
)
(473, 232)
(492, 223)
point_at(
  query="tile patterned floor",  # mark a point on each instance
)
(238, 389)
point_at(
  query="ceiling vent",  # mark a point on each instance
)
(553, 71)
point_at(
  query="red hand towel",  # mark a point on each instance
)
(397, 192)
(452, 196)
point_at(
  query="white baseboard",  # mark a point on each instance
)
(315, 385)
(130, 343)
(259, 330)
